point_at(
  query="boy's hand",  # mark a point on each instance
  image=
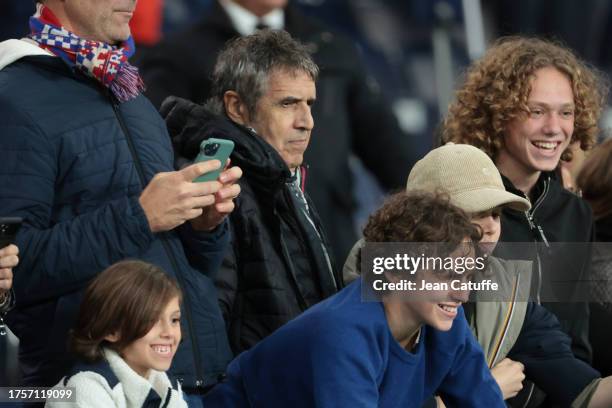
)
(509, 375)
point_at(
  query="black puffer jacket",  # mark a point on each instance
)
(277, 267)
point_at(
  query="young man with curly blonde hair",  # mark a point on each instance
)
(509, 87)
(524, 103)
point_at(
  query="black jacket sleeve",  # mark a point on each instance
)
(547, 355)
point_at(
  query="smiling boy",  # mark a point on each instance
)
(346, 352)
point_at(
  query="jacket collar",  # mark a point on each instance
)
(137, 389)
(538, 188)
(14, 50)
(261, 163)
(26, 50)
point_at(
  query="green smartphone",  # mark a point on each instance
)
(211, 149)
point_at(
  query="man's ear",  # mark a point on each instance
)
(112, 338)
(234, 108)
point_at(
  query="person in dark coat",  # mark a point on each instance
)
(595, 182)
(280, 263)
(89, 167)
(523, 104)
(351, 114)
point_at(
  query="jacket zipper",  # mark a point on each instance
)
(301, 234)
(303, 172)
(529, 214)
(164, 239)
(532, 225)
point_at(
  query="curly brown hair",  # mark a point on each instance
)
(419, 216)
(497, 87)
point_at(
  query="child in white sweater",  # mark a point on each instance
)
(126, 335)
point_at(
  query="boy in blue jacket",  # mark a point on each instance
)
(345, 352)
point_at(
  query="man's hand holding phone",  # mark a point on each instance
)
(212, 150)
(200, 193)
(171, 198)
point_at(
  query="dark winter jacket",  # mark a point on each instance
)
(556, 216)
(350, 114)
(278, 265)
(549, 362)
(75, 163)
(559, 217)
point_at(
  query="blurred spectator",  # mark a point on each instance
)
(146, 25)
(14, 18)
(179, 14)
(595, 182)
(351, 114)
(558, 19)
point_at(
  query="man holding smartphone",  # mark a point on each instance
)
(280, 263)
(351, 110)
(89, 168)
